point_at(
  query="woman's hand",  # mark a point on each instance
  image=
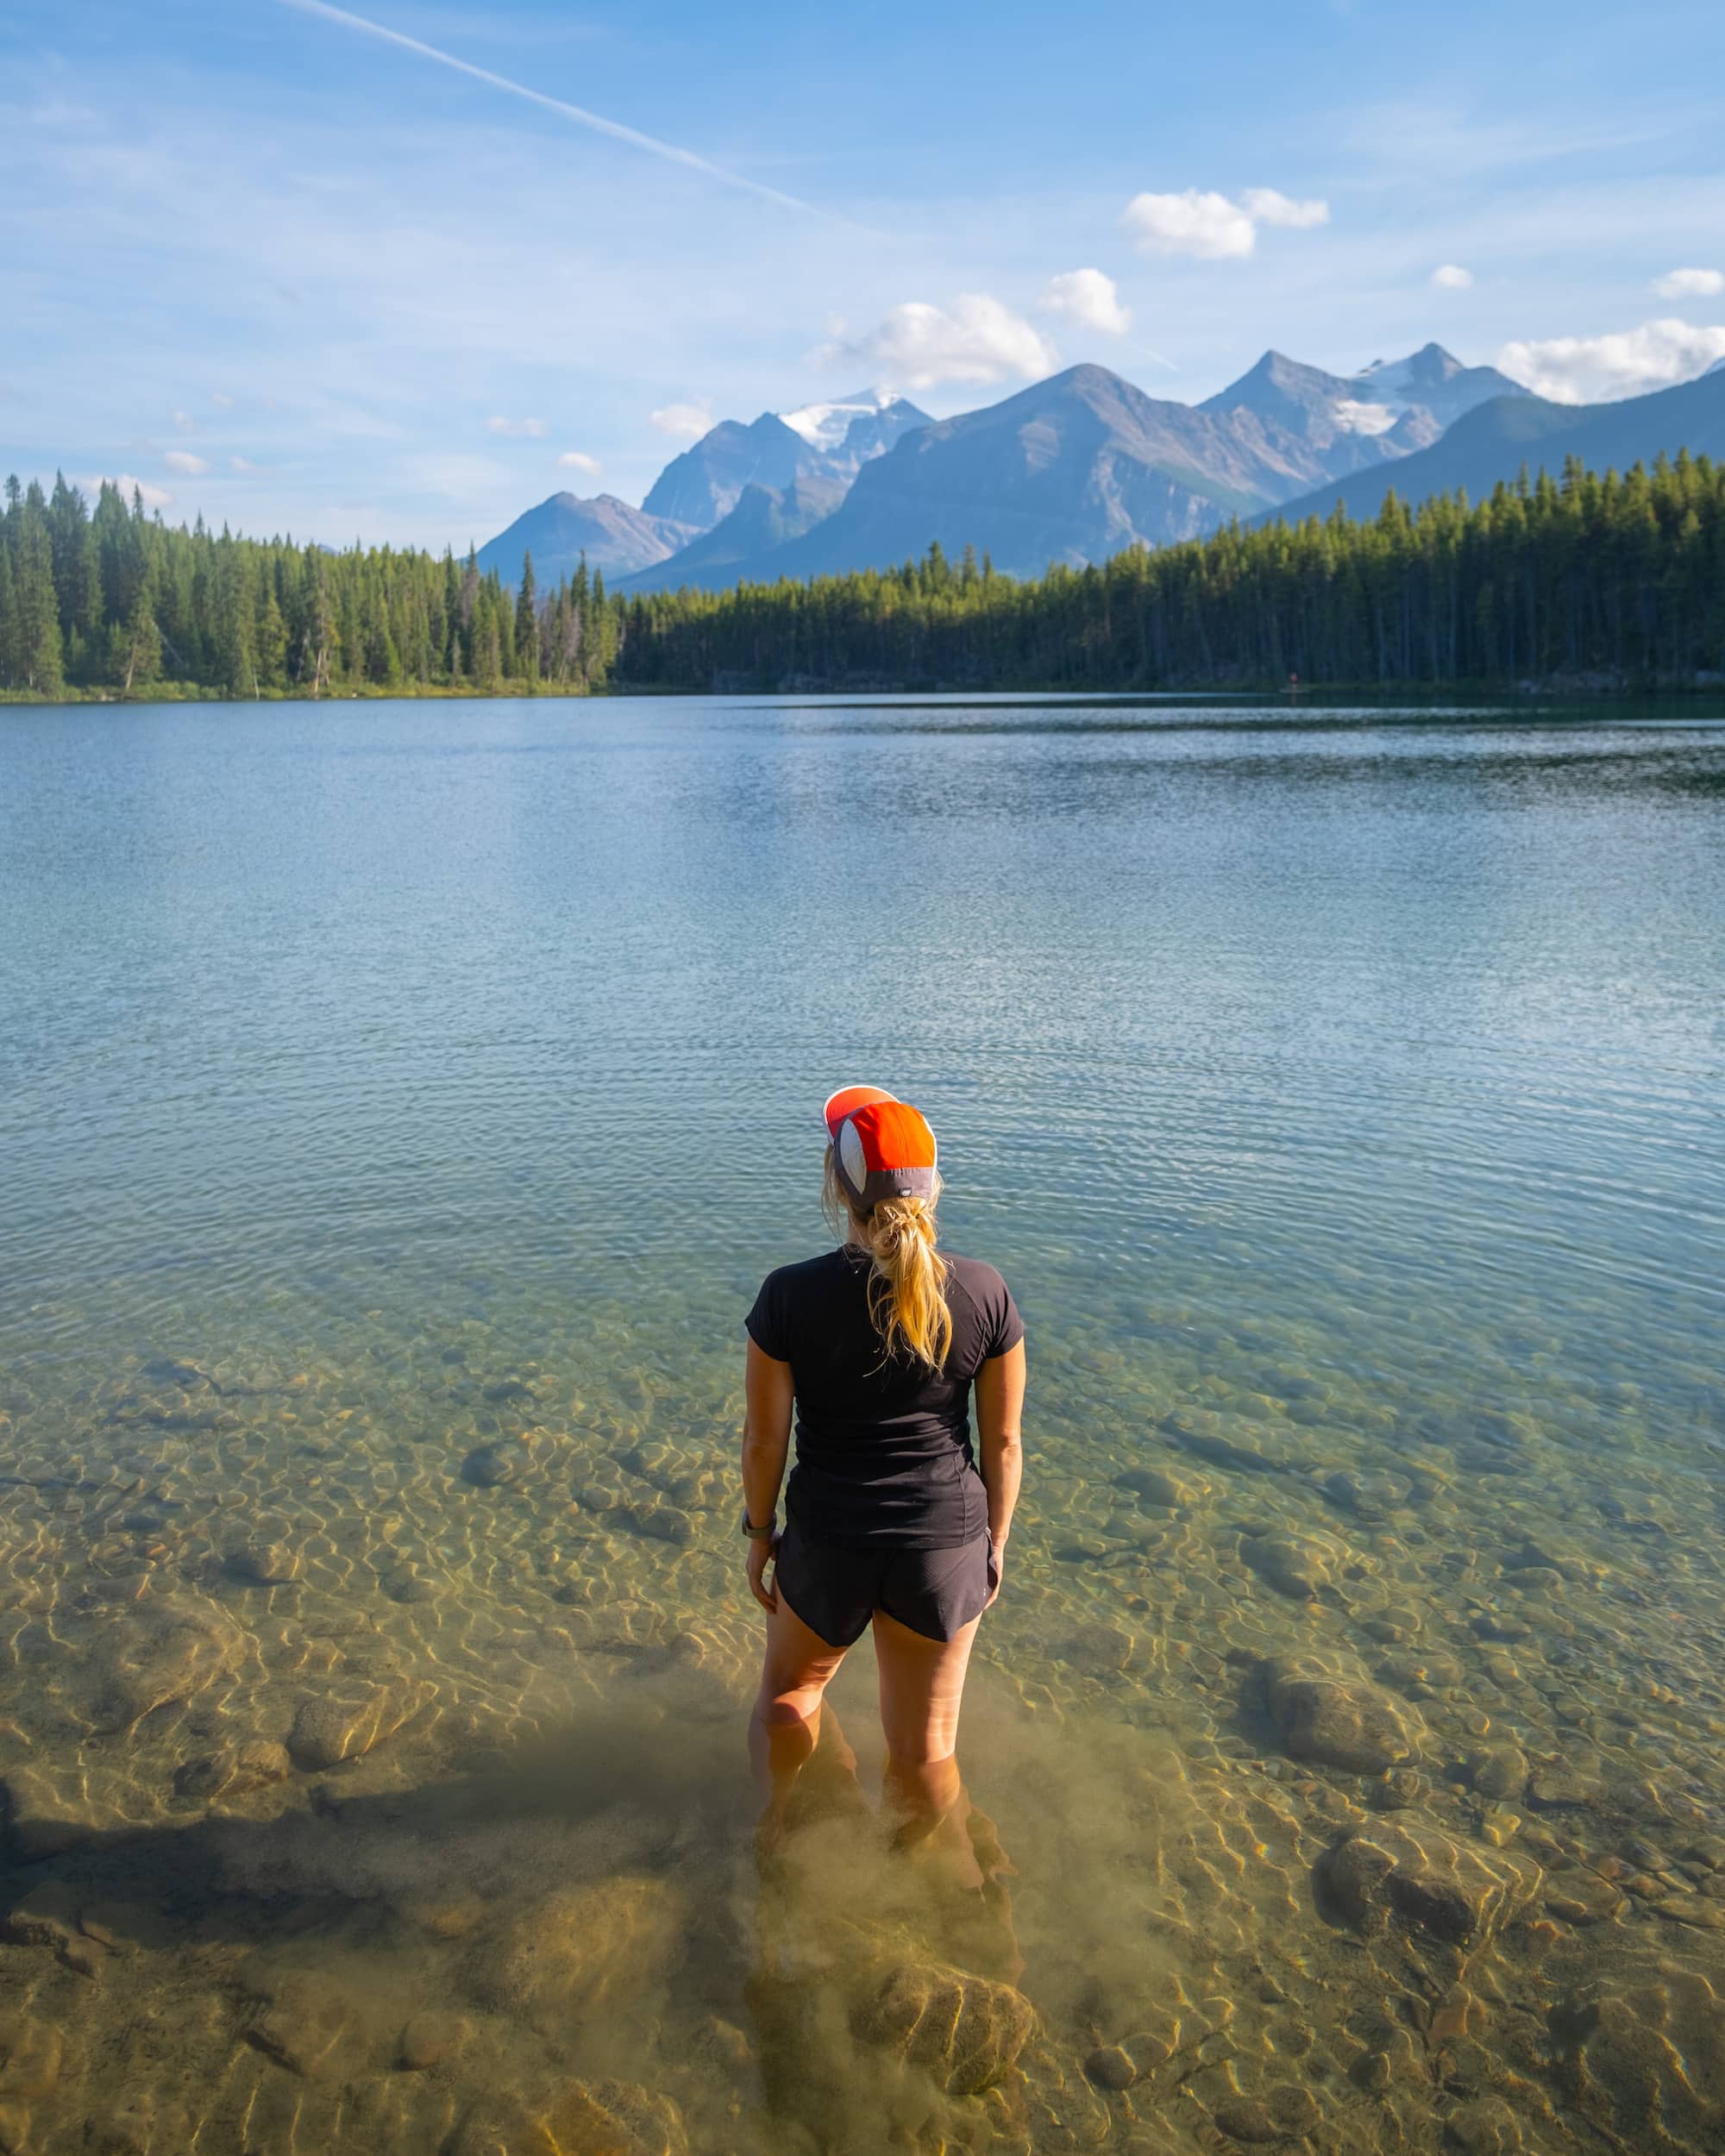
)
(997, 1566)
(762, 1550)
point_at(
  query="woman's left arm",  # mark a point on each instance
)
(767, 1396)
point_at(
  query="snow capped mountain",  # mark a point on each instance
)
(825, 426)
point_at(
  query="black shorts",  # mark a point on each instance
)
(835, 1590)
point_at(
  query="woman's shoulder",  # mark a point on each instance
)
(982, 1282)
(803, 1276)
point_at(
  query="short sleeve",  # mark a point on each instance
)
(1003, 1328)
(768, 1321)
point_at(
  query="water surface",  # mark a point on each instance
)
(399, 1106)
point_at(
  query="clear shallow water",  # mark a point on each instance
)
(1343, 1096)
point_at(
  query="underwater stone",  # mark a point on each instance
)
(1291, 1564)
(582, 2118)
(298, 2023)
(1109, 2067)
(1499, 1770)
(1246, 2118)
(492, 1465)
(232, 1771)
(430, 2039)
(1460, 1895)
(1558, 1789)
(1488, 2128)
(346, 1726)
(265, 1563)
(1369, 1496)
(659, 1523)
(1152, 1487)
(1338, 1721)
(963, 2030)
(169, 1650)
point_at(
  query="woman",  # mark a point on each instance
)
(876, 1345)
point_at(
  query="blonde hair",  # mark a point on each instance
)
(907, 1286)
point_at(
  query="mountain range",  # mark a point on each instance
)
(805, 460)
(1494, 440)
(1077, 466)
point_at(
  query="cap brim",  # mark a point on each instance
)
(847, 1101)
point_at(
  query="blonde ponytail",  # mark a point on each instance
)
(908, 1291)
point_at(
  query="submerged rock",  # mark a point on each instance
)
(298, 2023)
(579, 2118)
(1109, 2067)
(1294, 1566)
(1499, 1770)
(492, 1465)
(1339, 1721)
(1152, 1487)
(168, 1650)
(233, 1771)
(1488, 2128)
(963, 2030)
(1278, 2114)
(265, 1563)
(1407, 1870)
(345, 1725)
(429, 2038)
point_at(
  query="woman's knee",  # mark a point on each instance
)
(784, 1710)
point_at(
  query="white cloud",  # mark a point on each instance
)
(1691, 284)
(684, 423)
(182, 423)
(1451, 277)
(222, 400)
(516, 428)
(1267, 206)
(977, 340)
(243, 463)
(155, 497)
(1626, 363)
(1090, 298)
(1206, 225)
(183, 461)
(579, 460)
(1211, 227)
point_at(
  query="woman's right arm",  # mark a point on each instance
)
(999, 1410)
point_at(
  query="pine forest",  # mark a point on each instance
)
(1618, 576)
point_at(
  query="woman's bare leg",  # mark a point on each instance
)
(922, 1687)
(782, 1730)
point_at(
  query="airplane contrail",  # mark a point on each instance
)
(581, 116)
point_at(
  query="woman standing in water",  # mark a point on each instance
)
(876, 1346)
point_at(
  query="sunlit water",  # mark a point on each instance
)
(399, 1106)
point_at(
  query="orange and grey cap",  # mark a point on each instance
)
(882, 1147)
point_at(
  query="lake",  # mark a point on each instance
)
(399, 1105)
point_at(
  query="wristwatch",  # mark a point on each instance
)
(761, 1534)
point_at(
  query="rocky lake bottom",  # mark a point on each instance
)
(1342, 1757)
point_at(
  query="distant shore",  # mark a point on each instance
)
(1561, 689)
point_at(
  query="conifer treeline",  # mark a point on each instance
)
(116, 600)
(1624, 575)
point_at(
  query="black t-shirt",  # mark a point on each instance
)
(883, 1444)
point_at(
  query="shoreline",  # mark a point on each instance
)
(1550, 689)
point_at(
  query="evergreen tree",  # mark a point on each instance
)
(527, 623)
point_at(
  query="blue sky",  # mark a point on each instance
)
(295, 274)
